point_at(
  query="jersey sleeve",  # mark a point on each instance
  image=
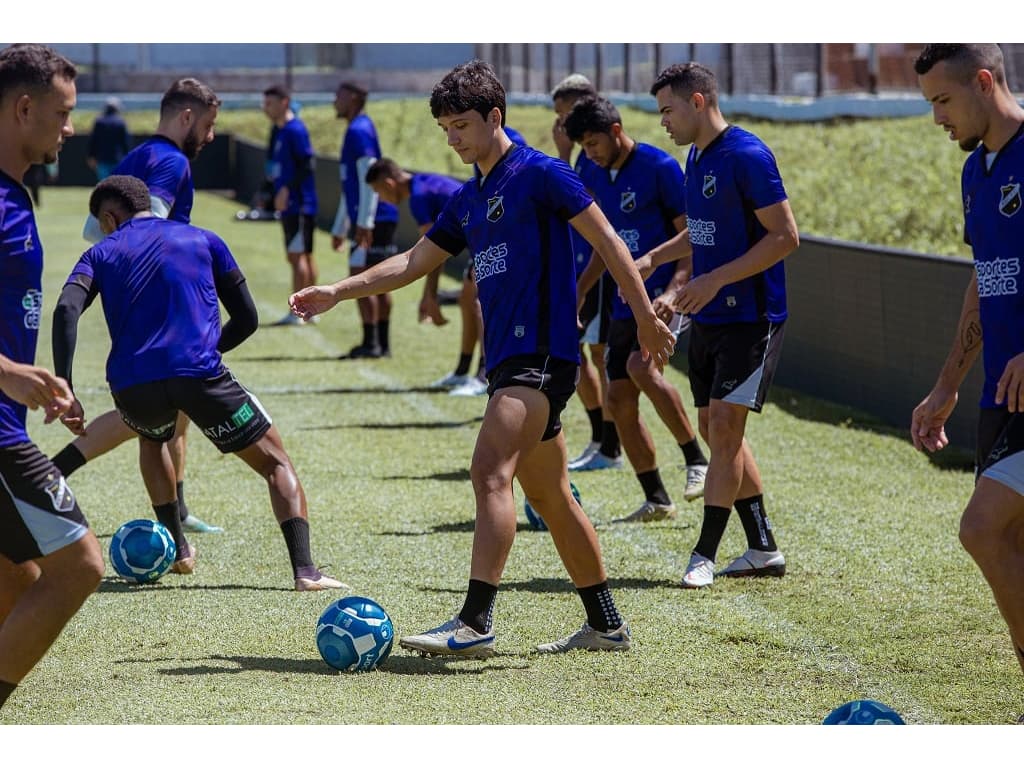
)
(167, 178)
(421, 210)
(84, 271)
(223, 261)
(671, 188)
(447, 232)
(759, 178)
(562, 189)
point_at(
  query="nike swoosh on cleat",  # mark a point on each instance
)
(455, 645)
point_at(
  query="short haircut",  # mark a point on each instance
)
(688, 79)
(385, 168)
(357, 88)
(277, 90)
(573, 87)
(963, 60)
(187, 93)
(472, 86)
(591, 114)
(32, 67)
(129, 192)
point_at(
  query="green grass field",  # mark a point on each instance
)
(879, 600)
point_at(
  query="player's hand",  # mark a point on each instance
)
(337, 242)
(562, 141)
(74, 418)
(664, 306)
(364, 237)
(311, 301)
(657, 342)
(927, 425)
(430, 311)
(644, 266)
(1010, 387)
(35, 387)
(697, 293)
(281, 199)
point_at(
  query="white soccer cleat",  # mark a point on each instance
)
(471, 388)
(596, 461)
(450, 381)
(695, 474)
(589, 639)
(754, 563)
(289, 319)
(592, 448)
(316, 585)
(453, 638)
(193, 524)
(699, 573)
(649, 512)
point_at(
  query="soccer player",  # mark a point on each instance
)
(291, 171)
(513, 215)
(604, 451)
(50, 561)
(160, 281)
(640, 190)
(368, 224)
(188, 113)
(966, 86)
(739, 229)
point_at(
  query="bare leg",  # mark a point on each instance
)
(624, 403)
(14, 580)
(467, 310)
(663, 396)
(103, 434)
(269, 458)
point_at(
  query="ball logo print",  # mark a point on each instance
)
(863, 712)
(142, 551)
(354, 634)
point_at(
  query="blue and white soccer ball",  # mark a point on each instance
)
(142, 550)
(354, 634)
(863, 712)
(536, 521)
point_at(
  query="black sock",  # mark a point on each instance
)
(654, 489)
(602, 614)
(464, 362)
(610, 445)
(182, 508)
(478, 610)
(755, 524)
(296, 536)
(711, 531)
(596, 428)
(384, 335)
(6, 689)
(692, 453)
(370, 335)
(167, 514)
(68, 460)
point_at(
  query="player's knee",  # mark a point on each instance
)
(980, 530)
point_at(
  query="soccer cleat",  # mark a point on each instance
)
(318, 584)
(592, 448)
(589, 639)
(186, 565)
(597, 461)
(649, 512)
(289, 319)
(453, 638)
(699, 573)
(451, 381)
(695, 474)
(471, 388)
(754, 562)
(362, 350)
(195, 525)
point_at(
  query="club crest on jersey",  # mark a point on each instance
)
(495, 208)
(710, 186)
(628, 201)
(60, 495)
(29, 244)
(465, 220)
(1009, 201)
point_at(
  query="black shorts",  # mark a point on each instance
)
(734, 362)
(38, 511)
(596, 314)
(1004, 461)
(298, 232)
(554, 377)
(227, 413)
(621, 344)
(381, 247)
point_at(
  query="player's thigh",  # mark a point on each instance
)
(996, 508)
(228, 414)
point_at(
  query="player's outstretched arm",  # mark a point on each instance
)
(676, 248)
(389, 275)
(927, 424)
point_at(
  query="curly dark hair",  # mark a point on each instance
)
(32, 66)
(688, 79)
(129, 192)
(470, 86)
(591, 114)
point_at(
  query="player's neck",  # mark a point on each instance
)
(711, 128)
(11, 160)
(497, 149)
(1004, 125)
(286, 118)
(625, 149)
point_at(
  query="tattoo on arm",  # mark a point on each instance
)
(970, 337)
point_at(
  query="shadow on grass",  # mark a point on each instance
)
(457, 475)
(414, 664)
(400, 426)
(247, 664)
(305, 391)
(115, 585)
(560, 586)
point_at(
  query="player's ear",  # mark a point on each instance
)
(698, 100)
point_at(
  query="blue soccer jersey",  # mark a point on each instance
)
(581, 249)
(361, 142)
(292, 165)
(734, 176)
(515, 136)
(429, 193)
(515, 225)
(640, 201)
(157, 279)
(21, 295)
(165, 169)
(994, 228)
